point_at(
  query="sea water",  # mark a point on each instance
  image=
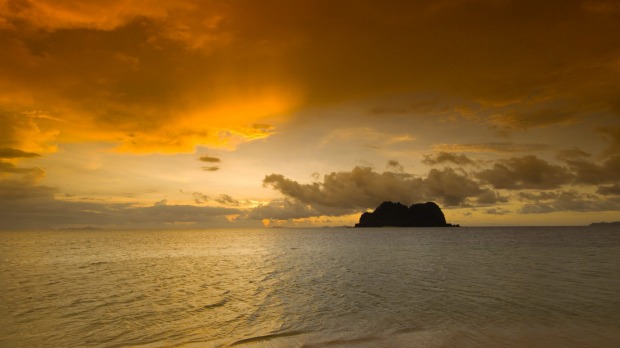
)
(332, 287)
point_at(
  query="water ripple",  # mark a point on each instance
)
(463, 287)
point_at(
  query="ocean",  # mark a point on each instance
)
(326, 287)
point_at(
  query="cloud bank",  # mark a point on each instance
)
(162, 76)
(341, 193)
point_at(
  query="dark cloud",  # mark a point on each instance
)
(537, 196)
(350, 191)
(527, 172)
(227, 200)
(589, 172)
(200, 198)
(209, 159)
(490, 147)
(6, 167)
(497, 211)
(490, 197)
(138, 77)
(171, 214)
(127, 67)
(26, 205)
(569, 201)
(27, 174)
(443, 157)
(572, 154)
(450, 187)
(523, 117)
(613, 133)
(395, 165)
(613, 190)
(23, 190)
(362, 188)
(7, 152)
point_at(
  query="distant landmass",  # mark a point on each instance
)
(614, 223)
(399, 215)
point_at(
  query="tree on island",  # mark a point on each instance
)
(399, 215)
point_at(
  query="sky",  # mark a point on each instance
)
(242, 113)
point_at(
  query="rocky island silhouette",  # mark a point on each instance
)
(399, 215)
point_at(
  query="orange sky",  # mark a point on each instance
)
(140, 114)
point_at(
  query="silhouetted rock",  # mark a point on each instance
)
(398, 215)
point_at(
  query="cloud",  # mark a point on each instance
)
(601, 6)
(163, 202)
(283, 209)
(571, 154)
(490, 147)
(527, 172)
(347, 192)
(443, 157)
(142, 76)
(525, 118)
(341, 192)
(568, 201)
(588, 172)
(12, 177)
(209, 159)
(497, 211)
(366, 136)
(227, 200)
(450, 187)
(27, 205)
(171, 214)
(6, 167)
(613, 133)
(161, 76)
(200, 198)
(490, 197)
(395, 165)
(23, 191)
(613, 190)
(7, 152)
(24, 133)
(70, 15)
(537, 196)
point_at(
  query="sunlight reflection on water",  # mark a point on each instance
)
(312, 288)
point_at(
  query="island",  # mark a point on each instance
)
(399, 215)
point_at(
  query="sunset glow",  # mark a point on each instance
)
(156, 114)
